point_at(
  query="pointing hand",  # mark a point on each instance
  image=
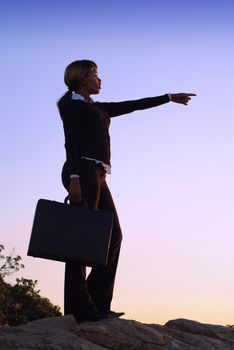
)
(182, 98)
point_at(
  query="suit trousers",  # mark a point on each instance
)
(83, 294)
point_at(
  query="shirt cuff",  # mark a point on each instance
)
(74, 175)
(169, 95)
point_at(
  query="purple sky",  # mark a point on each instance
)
(172, 166)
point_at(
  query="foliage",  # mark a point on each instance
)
(9, 263)
(21, 302)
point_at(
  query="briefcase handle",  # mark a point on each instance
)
(83, 202)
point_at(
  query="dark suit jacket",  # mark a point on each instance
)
(86, 126)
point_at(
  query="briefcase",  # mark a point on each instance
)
(65, 232)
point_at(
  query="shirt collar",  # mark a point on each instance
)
(76, 96)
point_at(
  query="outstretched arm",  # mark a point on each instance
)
(115, 109)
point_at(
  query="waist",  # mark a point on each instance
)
(100, 164)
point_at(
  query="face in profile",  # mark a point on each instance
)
(92, 83)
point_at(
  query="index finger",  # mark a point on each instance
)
(191, 94)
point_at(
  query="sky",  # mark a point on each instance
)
(172, 177)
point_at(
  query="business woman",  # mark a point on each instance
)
(87, 143)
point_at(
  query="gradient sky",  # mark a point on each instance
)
(173, 165)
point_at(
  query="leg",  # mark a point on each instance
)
(101, 279)
(77, 300)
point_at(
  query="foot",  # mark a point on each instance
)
(113, 314)
(91, 316)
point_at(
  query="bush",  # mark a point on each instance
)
(21, 302)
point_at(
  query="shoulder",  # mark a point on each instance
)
(71, 111)
(71, 106)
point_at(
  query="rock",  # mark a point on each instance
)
(63, 333)
(57, 333)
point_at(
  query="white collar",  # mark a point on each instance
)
(76, 96)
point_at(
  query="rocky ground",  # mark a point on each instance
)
(63, 333)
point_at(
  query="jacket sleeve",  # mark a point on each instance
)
(72, 124)
(115, 109)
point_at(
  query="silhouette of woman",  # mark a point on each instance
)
(87, 143)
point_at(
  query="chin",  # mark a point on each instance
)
(96, 92)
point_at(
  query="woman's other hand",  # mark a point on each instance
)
(182, 98)
(75, 191)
